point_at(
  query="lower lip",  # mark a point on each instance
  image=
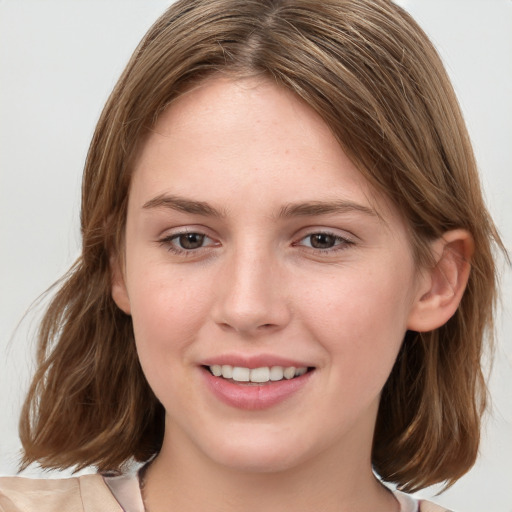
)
(253, 396)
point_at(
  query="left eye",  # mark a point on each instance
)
(323, 241)
(190, 241)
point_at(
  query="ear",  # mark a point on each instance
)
(118, 285)
(443, 285)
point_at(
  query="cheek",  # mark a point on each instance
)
(168, 311)
(162, 297)
(362, 321)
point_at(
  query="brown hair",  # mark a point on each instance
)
(374, 77)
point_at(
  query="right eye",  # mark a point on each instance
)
(186, 242)
(190, 241)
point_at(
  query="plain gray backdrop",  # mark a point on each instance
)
(59, 59)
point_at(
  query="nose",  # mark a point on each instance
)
(252, 298)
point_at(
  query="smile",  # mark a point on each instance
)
(258, 387)
(256, 375)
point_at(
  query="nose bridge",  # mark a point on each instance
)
(252, 298)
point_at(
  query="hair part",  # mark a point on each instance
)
(376, 80)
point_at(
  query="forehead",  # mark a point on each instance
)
(221, 111)
(229, 136)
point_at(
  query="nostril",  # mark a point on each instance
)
(266, 327)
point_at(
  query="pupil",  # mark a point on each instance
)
(322, 241)
(191, 240)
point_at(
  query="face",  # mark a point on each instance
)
(270, 287)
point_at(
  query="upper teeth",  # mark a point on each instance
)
(263, 374)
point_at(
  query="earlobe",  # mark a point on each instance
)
(443, 285)
(118, 286)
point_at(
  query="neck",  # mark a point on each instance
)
(337, 481)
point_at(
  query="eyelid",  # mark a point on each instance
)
(167, 240)
(336, 232)
(343, 240)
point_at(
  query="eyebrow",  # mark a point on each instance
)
(312, 208)
(303, 209)
(182, 204)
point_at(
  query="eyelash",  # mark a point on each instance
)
(340, 243)
(169, 243)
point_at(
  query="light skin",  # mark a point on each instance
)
(249, 232)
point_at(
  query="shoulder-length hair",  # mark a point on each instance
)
(376, 80)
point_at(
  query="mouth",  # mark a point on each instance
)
(261, 375)
(255, 386)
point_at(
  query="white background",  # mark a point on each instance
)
(59, 59)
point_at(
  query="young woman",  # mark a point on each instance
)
(286, 273)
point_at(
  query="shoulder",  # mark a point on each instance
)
(87, 493)
(410, 504)
(428, 506)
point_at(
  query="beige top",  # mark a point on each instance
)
(94, 493)
(86, 493)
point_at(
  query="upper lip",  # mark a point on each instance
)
(254, 361)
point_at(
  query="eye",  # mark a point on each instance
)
(190, 241)
(325, 242)
(185, 242)
(322, 240)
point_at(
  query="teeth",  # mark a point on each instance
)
(276, 373)
(227, 371)
(289, 373)
(216, 369)
(260, 374)
(300, 371)
(241, 374)
(257, 375)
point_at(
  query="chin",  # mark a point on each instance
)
(257, 453)
(259, 462)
